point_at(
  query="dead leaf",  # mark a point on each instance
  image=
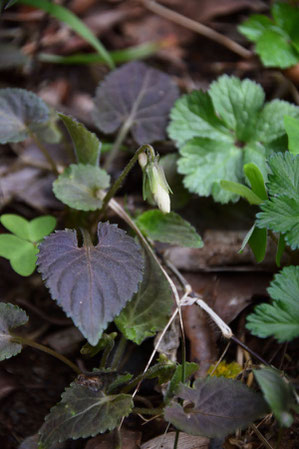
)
(220, 252)
(186, 441)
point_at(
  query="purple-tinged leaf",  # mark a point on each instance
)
(10, 317)
(83, 412)
(91, 283)
(136, 95)
(21, 112)
(216, 407)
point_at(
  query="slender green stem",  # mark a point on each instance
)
(114, 188)
(45, 152)
(33, 344)
(148, 411)
(176, 440)
(117, 439)
(121, 135)
(106, 353)
(119, 352)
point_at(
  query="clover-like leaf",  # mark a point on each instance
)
(216, 407)
(21, 112)
(83, 412)
(10, 317)
(91, 283)
(281, 318)
(33, 230)
(139, 319)
(20, 253)
(21, 249)
(86, 144)
(220, 131)
(278, 393)
(137, 97)
(169, 228)
(79, 186)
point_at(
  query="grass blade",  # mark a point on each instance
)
(76, 24)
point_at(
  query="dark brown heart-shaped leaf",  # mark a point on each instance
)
(139, 97)
(91, 283)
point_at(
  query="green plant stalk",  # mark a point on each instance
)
(106, 353)
(119, 352)
(121, 135)
(114, 188)
(118, 56)
(123, 214)
(44, 151)
(131, 384)
(26, 341)
(66, 16)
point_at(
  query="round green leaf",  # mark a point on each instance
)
(16, 224)
(24, 261)
(11, 245)
(40, 227)
(79, 186)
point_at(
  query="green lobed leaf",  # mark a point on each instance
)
(238, 104)
(205, 162)
(284, 179)
(216, 407)
(274, 49)
(281, 318)
(79, 186)
(21, 112)
(91, 283)
(286, 16)
(270, 126)
(83, 412)
(194, 115)
(220, 131)
(86, 144)
(278, 393)
(254, 27)
(10, 317)
(292, 128)
(241, 190)
(139, 319)
(280, 212)
(169, 228)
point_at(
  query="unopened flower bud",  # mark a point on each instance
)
(155, 187)
(142, 159)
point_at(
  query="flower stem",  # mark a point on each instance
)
(114, 188)
(33, 344)
(119, 352)
(45, 152)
